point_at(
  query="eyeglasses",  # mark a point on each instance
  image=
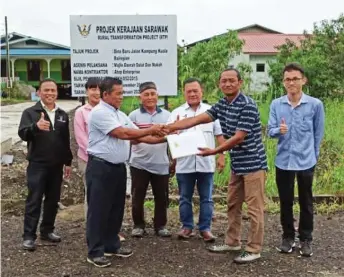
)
(294, 80)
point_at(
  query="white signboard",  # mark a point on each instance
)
(135, 48)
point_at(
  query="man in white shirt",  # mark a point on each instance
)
(194, 169)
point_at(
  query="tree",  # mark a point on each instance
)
(206, 60)
(322, 56)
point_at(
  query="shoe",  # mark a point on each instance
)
(223, 248)
(51, 237)
(121, 252)
(99, 261)
(286, 246)
(207, 236)
(29, 245)
(185, 234)
(306, 248)
(163, 232)
(246, 257)
(137, 232)
(121, 238)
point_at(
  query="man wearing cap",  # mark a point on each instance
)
(108, 149)
(149, 164)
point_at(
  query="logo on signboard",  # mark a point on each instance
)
(84, 30)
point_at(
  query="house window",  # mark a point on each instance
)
(260, 67)
(31, 42)
(65, 70)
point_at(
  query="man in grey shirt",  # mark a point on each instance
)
(149, 164)
(108, 149)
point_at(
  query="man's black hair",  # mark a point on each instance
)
(46, 80)
(294, 66)
(192, 80)
(106, 85)
(231, 69)
(92, 82)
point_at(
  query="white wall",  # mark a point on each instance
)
(258, 79)
(24, 45)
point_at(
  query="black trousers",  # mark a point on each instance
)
(140, 180)
(106, 192)
(42, 180)
(285, 182)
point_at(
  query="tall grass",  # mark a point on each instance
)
(329, 177)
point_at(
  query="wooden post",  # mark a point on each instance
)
(166, 102)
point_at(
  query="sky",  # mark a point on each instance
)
(196, 19)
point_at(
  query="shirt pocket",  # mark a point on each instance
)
(207, 128)
(307, 123)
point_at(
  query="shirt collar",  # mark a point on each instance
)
(304, 99)
(46, 108)
(88, 107)
(236, 97)
(102, 102)
(187, 106)
(143, 110)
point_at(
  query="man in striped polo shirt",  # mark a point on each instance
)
(240, 123)
(149, 163)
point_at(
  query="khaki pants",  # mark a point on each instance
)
(82, 168)
(248, 188)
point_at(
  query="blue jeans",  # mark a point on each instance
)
(186, 184)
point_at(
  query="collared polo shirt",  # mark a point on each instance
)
(150, 157)
(102, 120)
(242, 114)
(299, 148)
(196, 163)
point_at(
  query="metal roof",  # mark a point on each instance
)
(36, 52)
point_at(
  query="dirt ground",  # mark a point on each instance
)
(152, 256)
(168, 257)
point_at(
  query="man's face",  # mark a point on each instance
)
(48, 93)
(229, 83)
(115, 97)
(293, 81)
(149, 98)
(93, 95)
(193, 93)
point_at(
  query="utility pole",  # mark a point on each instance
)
(8, 65)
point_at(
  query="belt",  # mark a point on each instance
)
(91, 157)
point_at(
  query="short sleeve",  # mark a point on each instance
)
(172, 117)
(247, 118)
(132, 116)
(104, 121)
(217, 128)
(214, 111)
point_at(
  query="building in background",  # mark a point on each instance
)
(259, 48)
(33, 59)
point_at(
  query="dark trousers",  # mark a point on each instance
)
(41, 180)
(140, 180)
(106, 187)
(285, 182)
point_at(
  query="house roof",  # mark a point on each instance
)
(243, 29)
(36, 52)
(256, 43)
(17, 37)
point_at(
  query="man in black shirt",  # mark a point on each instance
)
(45, 127)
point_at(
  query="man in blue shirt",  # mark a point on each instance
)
(297, 121)
(240, 122)
(108, 149)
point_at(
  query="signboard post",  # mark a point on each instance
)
(134, 48)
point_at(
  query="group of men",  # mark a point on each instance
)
(108, 139)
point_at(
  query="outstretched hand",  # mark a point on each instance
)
(205, 152)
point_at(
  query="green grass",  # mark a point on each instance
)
(329, 177)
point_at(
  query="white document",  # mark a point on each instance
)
(186, 144)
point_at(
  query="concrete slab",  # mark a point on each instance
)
(10, 117)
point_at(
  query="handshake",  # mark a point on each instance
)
(160, 130)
